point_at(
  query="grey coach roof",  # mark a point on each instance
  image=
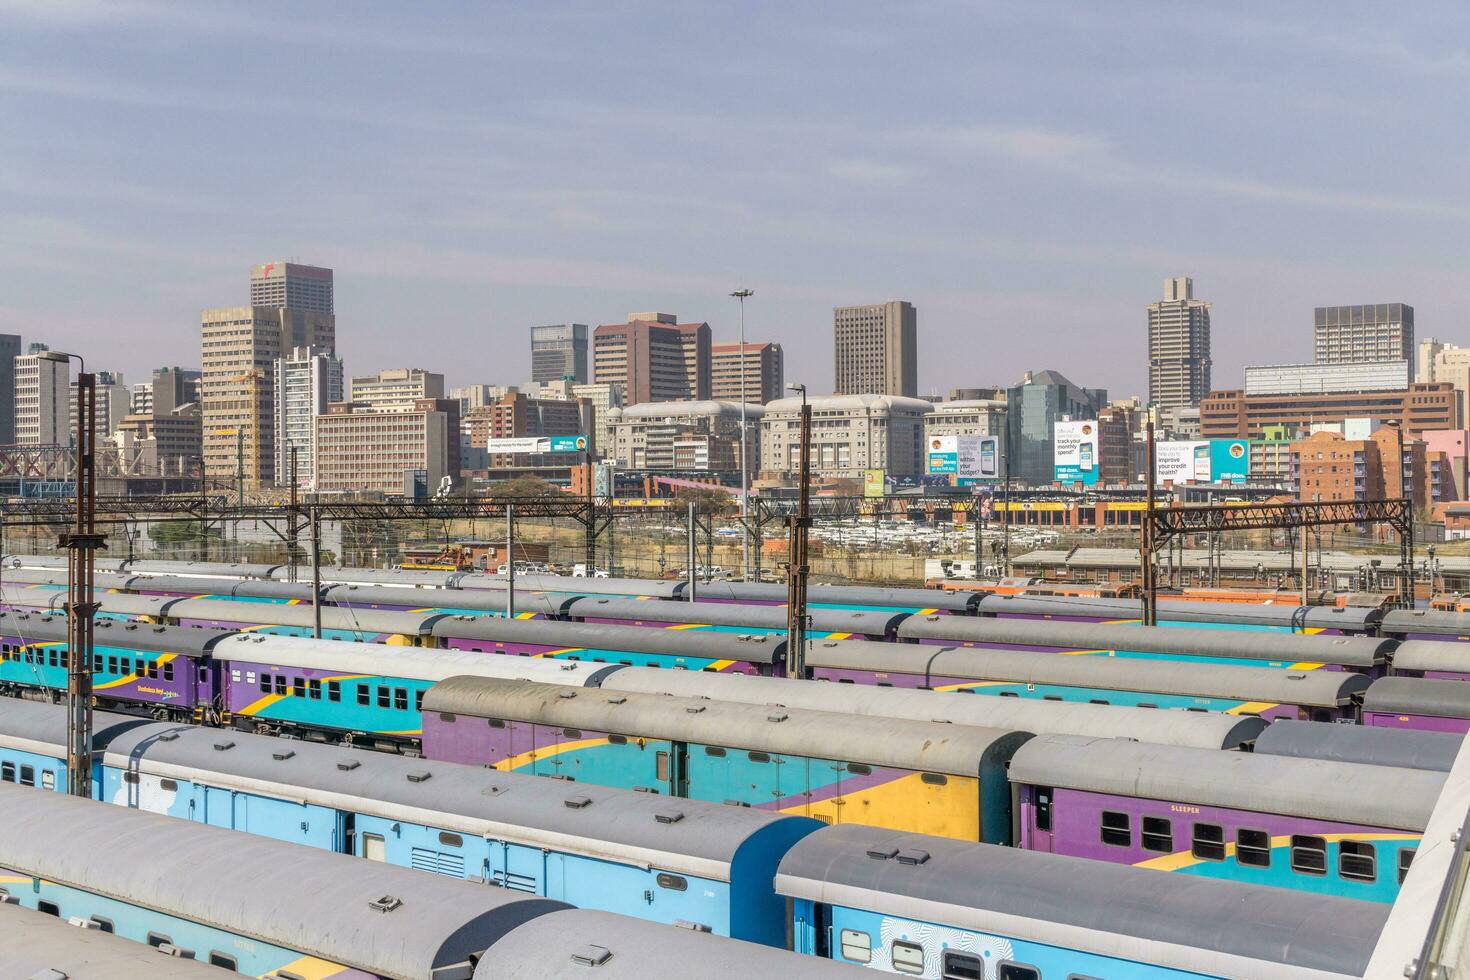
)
(280, 614)
(1185, 611)
(605, 824)
(559, 944)
(926, 746)
(209, 569)
(1348, 792)
(959, 602)
(117, 603)
(1212, 730)
(1220, 928)
(1416, 696)
(119, 633)
(40, 727)
(730, 614)
(1400, 747)
(304, 899)
(430, 599)
(241, 588)
(1184, 641)
(1432, 655)
(401, 577)
(761, 648)
(1265, 684)
(43, 947)
(648, 587)
(418, 663)
(1399, 621)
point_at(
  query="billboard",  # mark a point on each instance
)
(1215, 461)
(1075, 456)
(568, 444)
(873, 485)
(964, 457)
(1177, 462)
(518, 445)
(539, 444)
(1230, 460)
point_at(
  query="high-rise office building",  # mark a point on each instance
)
(559, 352)
(653, 358)
(307, 288)
(1033, 408)
(307, 380)
(41, 403)
(170, 388)
(757, 374)
(9, 351)
(396, 389)
(241, 345)
(1178, 346)
(877, 349)
(114, 402)
(1376, 332)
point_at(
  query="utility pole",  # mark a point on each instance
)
(743, 295)
(81, 544)
(316, 572)
(796, 569)
(591, 518)
(1005, 545)
(1146, 553)
(510, 561)
(291, 544)
(689, 572)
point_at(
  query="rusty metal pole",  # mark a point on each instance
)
(510, 561)
(1146, 552)
(81, 544)
(316, 572)
(797, 570)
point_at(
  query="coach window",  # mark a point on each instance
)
(418, 700)
(265, 683)
(450, 840)
(1158, 834)
(298, 687)
(908, 957)
(1406, 858)
(7, 775)
(1098, 701)
(961, 966)
(1308, 854)
(1209, 842)
(384, 698)
(97, 663)
(280, 684)
(1015, 971)
(1253, 848)
(112, 665)
(28, 775)
(857, 946)
(364, 696)
(334, 690)
(1357, 861)
(1116, 829)
(168, 671)
(48, 779)
(102, 924)
(1009, 694)
(157, 939)
(674, 883)
(314, 689)
(216, 958)
(400, 698)
(153, 669)
(48, 908)
(758, 757)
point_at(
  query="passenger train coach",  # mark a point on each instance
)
(644, 855)
(854, 897)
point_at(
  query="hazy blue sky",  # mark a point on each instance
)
(1026, 173)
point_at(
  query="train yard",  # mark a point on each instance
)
(570, 775)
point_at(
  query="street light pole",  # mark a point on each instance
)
(796, 569)
(743, 295)
(81, 544)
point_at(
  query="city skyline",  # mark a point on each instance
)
(1029, 228)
